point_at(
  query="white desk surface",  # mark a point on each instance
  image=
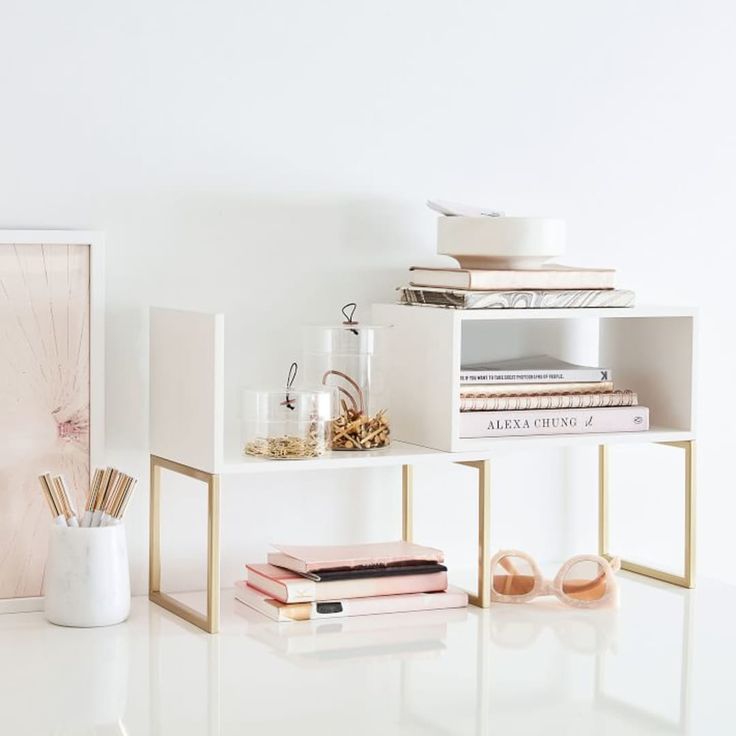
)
(662, 664)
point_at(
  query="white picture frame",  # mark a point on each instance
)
(96, 436)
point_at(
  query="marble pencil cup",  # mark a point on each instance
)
(87, 576)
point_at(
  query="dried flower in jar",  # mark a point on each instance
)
(355, 429)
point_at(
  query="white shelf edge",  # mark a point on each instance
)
(562, 313)
(402, 453)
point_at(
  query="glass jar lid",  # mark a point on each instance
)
(317, 402)
(347, 338)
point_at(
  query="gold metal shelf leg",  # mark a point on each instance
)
(210, 621)
(213, 554)
(482, 597)
(602, 500)
(687, 580)
(407, 502)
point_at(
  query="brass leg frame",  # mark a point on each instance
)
(687, 580)
(407, 502)
(209, 621)
(482, 597)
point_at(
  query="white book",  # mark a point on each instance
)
(497, 279)
(535, 369)
(474, 424)
(278, 611)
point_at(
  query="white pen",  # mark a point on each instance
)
(55, 503)
(94, 490)
(101, 499)
(65, 499)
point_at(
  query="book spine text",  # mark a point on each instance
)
(572, 375)
(562, 421)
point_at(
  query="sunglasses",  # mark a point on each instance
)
(584, 581)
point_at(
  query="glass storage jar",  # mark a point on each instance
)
(287, 423)
(351, 358)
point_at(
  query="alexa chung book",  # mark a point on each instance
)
(548, 421)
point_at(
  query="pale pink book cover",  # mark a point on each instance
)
(44, 398)
(307, 558)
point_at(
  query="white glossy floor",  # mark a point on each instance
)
(662, 664)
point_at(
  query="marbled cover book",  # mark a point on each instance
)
(44, 398)
(522, 299)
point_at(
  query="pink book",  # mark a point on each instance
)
(304, 559)
(290, 587)
(553, 421)
(278, 611)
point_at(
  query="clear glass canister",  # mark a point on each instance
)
(287, 424)
(351, 358)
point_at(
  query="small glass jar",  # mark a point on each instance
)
(287, 424)
(350, 357)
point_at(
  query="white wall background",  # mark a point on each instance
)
(271, 159)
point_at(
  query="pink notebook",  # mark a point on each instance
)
(290, 587)
(278, 611)
(304, 559)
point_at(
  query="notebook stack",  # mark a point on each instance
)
(548, 287)
(308, 582)
(543, 395)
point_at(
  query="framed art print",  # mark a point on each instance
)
(51, 390)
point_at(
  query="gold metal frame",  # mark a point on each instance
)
(407, 502)
(687, 580)
(482, 596)
(209, 621)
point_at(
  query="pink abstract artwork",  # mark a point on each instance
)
(44, 398)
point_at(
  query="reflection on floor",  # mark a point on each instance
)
(652, 667)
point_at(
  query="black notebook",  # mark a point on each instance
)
(377, 571)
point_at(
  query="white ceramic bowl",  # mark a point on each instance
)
(501, 242)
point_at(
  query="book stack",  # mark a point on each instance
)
(543, 395)
(549, 287)
(308, 582)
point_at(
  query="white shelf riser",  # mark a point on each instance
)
(652, 355)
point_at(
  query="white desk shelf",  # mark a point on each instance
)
(649, 349)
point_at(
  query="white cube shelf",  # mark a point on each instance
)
(649, 350)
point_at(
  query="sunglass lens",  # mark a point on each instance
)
(585, 580)
(513, 575)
